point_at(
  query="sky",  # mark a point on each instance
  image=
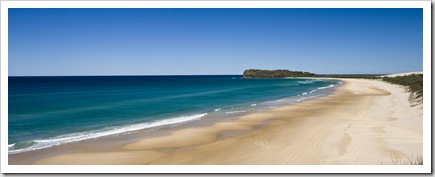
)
(59, 42)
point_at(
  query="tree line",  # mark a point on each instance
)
(279, 73)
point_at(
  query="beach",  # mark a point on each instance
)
(362, 122)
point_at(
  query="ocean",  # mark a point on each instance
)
(52, 111)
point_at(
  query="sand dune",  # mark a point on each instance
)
(402, 74)
(364, 122)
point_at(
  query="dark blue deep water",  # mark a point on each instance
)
(49, 111)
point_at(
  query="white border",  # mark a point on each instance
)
(4, 87)
(427, 87)
(426, 168)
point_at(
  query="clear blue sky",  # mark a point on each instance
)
(213, 41)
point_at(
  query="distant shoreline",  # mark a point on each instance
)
(102, 75)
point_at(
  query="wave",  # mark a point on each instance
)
(307, 81)
(253, 104)
(232, 112)
(301, 99)
(329, 86)
(320, 88)
(218, 109)
(74, 137)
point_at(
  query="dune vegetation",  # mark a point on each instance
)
(414, 82)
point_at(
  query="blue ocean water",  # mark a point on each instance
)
(50, 111)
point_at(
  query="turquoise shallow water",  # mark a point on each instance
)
(50, 111)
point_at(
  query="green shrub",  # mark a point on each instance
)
(413, 81)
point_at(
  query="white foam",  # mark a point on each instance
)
(253, 104)
(74, 137)
(232, 112)
(321, 88)
(306, 81)
(329, 86)
(11, 145)
(304, 93)
(218, 109)
(301, 99)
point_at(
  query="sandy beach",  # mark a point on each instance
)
(363, 122)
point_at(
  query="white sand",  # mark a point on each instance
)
(402, 74)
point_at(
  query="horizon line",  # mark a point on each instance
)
(185, 75)
(129, 75)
